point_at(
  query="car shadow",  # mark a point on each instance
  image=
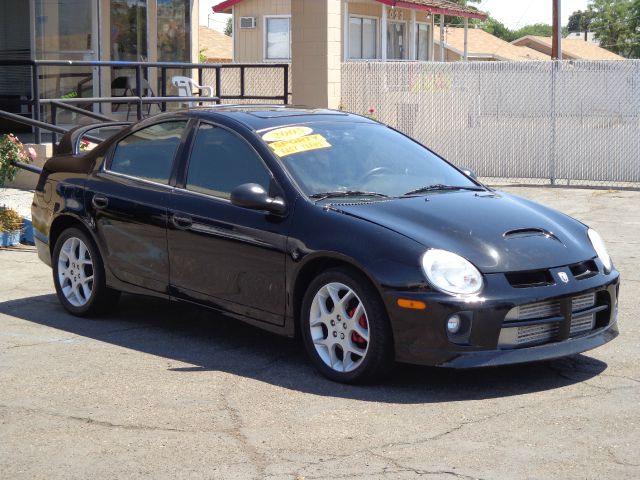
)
(206, 341)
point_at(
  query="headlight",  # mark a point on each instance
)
(451, 273)
(601, 249)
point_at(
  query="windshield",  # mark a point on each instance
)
(359, 158)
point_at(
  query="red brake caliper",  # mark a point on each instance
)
(362, 321)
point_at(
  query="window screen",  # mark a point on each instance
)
(221, 161)
(149, 153)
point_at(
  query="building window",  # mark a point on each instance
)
(423, 42)
(174, 31)
(129, 30)
(396, 40)
(363, 33)
(277, 37)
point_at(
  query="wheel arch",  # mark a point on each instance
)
(64, 222)
(318, 264)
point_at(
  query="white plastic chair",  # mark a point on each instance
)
(186, 86)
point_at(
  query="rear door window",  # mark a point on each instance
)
(149, 153)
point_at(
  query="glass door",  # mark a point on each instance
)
(67, 30)
(397, 40)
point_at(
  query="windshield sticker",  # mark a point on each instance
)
(299, 145)
(287, 133)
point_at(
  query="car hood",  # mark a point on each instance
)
(497, 232)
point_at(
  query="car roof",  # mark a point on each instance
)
(260, 117)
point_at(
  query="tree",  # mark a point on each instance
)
(580, 21)
(228, 29)
(537, 29)
(456, 21)
(494, 27)
(615, 24)
(634, 29)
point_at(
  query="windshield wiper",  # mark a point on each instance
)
(439, 187)
(348, 193)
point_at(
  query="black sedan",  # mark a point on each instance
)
(328, 225)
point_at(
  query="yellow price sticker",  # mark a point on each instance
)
(286, 133)
(299, 145)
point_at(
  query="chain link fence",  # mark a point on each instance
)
(567, 123)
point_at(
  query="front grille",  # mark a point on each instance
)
(583, 302)
(543, 278)
(550, 308)
(515, 336)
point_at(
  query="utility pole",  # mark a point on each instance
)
(556, 49)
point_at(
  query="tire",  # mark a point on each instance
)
(351, 343)
(78, 275)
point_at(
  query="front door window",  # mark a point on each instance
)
(221, 161)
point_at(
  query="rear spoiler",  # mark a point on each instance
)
(70, 142)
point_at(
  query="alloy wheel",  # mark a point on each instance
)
(339, 327)
(75, 272)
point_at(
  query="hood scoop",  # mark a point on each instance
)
(529, 232)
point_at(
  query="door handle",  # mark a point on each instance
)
(99, 201)
(181, 221)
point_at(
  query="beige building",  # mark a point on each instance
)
(371, 29)
(572, 48)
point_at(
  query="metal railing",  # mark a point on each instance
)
(140, 97)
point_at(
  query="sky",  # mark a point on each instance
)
(207, 17)
(513, 13)
(518, 13)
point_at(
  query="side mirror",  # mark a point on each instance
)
(469, 173)
(254, 197)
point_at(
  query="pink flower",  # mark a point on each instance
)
(372, 110)
(32, 153)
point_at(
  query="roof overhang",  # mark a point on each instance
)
(438, 7)
(227, 4)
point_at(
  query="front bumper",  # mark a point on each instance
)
(547, 351)
(421, 336)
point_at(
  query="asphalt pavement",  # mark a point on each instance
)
(158, 390)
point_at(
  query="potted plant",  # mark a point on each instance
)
(12, 150)
(10, 227)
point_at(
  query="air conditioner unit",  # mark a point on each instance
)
(247, 22)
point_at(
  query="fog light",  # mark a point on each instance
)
(454, 323)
